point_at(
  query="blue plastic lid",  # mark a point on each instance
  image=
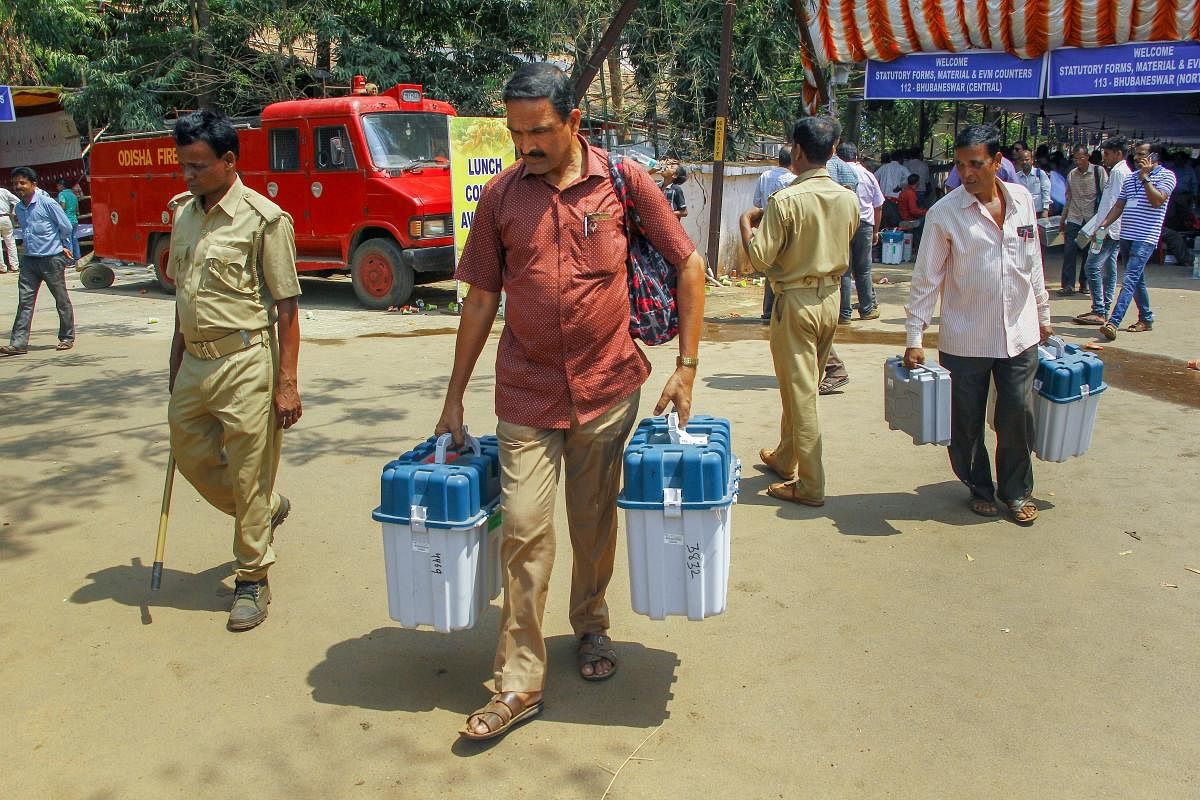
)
(702, 472)
(1066, 377)
(454, 494)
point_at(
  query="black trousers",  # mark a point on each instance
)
(969, 382)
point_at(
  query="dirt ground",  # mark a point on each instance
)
(888, 645)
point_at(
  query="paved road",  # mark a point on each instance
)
(889, 645)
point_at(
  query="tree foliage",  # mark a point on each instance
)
(134, 63)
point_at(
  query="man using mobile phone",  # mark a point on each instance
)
(1141, 207)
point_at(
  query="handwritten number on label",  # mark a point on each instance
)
(695, 560)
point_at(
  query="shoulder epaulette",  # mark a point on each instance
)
(265, 208)
(178, 200)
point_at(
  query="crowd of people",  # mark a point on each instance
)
(549, 232)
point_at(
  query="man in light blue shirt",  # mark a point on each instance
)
(775, 178)
(1036, 181)
(46, 232)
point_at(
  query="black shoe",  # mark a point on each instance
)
(250, 601)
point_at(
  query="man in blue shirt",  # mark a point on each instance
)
(1141, 206)
(46, 232)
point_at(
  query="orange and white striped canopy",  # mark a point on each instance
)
(850, 31)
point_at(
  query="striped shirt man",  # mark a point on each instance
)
(1140, 221)
(989, 279)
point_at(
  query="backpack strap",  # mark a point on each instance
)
(629, 216)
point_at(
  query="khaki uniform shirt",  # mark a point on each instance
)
(805, 232)
(220, 287)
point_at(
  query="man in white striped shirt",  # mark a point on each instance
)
(980, 253)
(1101, 265)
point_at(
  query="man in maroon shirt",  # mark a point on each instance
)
(548, 231)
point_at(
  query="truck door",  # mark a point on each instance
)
(287, 177)
(336, 186)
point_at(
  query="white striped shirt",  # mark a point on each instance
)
(989, 279)
(1108, 198)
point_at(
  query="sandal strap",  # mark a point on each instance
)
(500, 707)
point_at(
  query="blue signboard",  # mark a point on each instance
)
(1143, 68)
(7, 112)
(955, 76)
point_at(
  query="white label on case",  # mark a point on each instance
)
(420, 542)
(673, 537)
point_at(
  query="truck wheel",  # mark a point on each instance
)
(381, 278)
(97, 276)
(158, 258)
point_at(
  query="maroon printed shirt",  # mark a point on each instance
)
(566, 350)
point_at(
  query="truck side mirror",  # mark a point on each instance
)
(337, 153)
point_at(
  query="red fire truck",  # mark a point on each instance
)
(365, 177)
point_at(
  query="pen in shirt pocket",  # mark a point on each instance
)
(590, 221)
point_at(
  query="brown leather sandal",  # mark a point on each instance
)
(1024, 512)
(504, 709)
(984, 508)
(790, 492)
(1140, 326)
(594, 648)
(767, 457)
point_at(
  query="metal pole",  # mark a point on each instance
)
(606, 43)
(718, 174)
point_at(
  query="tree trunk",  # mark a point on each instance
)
(201, 55)
(854, 118)
(615, 83)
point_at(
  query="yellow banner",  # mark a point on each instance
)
(719, 140)
(480, 148)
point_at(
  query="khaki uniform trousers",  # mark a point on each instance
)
(802, 329)
(529, 465)
(227, 444)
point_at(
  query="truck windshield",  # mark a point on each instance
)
(399, 140)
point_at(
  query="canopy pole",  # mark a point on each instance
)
(718, 173)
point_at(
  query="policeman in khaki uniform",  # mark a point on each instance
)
(803, 247)
(234, 354)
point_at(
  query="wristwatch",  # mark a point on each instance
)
(687, 361)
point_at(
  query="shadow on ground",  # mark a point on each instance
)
(873, 514)
(129, 585)
(395, 669)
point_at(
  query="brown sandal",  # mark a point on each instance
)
(5, 350)
(503, 708)
(1023, 512)
(1140, 327)
(594, 648)
(984, 508)
(788, 491)
(64, 344)
(767, 457)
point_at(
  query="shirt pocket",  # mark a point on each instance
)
(226, 272)
(603, 249)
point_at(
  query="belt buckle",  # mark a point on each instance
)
(210, 352)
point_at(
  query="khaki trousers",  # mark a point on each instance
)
(529, 465)
(802, 329)
(226, 443)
